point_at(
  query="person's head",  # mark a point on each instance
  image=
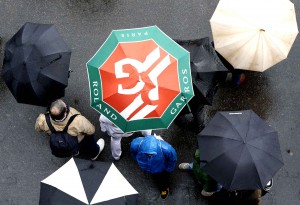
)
(58, 110)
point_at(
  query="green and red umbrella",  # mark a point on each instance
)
(140, 79)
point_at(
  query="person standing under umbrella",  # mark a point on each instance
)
(80, 127)
(210, 186)
(157, 157)
(116, 135)
(36, 64)
(248, 197)
(197, 108)
(207, 72)
(238, 76)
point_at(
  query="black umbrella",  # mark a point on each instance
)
(240, 150)
(36, 64)
(206, 67)
(80, 182)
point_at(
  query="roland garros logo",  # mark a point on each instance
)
(140, 80)
(141, 67)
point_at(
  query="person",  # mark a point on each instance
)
(81, 127)
(245, 197)
(236, 76)
(249, 197)
(198, 112)
(156, 157)
(210, 186)
(116, 135)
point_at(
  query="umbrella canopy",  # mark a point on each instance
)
(36, 64)
(240, 150)
(207, 69)
(80, 182)
(254, 34)
(140, 79)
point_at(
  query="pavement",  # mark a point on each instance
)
(85, 24)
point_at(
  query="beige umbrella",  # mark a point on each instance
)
(254, 34)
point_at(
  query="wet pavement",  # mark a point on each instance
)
(25, 155)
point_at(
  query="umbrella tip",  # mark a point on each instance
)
(263, 30)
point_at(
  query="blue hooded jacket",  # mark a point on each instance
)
(153, 155)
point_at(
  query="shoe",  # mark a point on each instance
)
(164, 194)
(184, 166)
(75, 155)
(207, 194)
(101, 144)
(117, 157)
(268, 186)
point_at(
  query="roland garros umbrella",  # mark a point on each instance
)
(36, 64)
(140, 79)
(207, 69)
(240, 150)
(254, 34)
(80, 182)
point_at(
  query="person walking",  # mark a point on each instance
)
(210, 186)
(245, 197)
(81, 128)
(197, 108)
(116, 135)
(156, 157)
(249, 197)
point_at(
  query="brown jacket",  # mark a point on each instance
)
(79, 127)
(250, 197)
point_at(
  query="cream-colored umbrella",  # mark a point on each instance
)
(254, 34)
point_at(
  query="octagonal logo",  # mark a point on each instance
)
(140, 79)
(142, 76)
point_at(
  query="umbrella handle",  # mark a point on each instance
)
(189, 108)
(187, 104)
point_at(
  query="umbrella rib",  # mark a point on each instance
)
(235, 170)
(220, 137)
(264, 152)
(255, 168)
(233, 126)
(259, 136)
(278, 49)
(216, 158)
(267, 154)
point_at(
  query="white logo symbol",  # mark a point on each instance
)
(153, 75)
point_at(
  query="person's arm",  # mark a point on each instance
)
(134, 146)
(102, 123)
(41, 124)
(170, 156)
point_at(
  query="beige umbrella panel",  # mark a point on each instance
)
(254, 34)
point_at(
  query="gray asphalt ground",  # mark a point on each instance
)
(85, 24)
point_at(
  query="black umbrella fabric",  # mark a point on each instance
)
(36, 64)
(80, 182)
(240, 150)
(206, 67)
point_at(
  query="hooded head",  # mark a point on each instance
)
(150, 145)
